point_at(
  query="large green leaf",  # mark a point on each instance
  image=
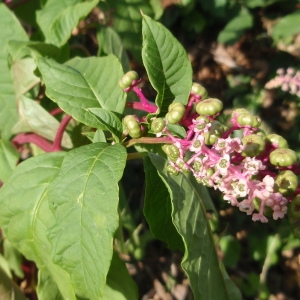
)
(84, 200)
(158, 209)
(35, 118)
(189, 217)
(9, 157)
(84, 83)
(167, 64)
(25, 216)
(11, 29)
(127, 21)
(120, 285)
(236, 27)
(57, 19)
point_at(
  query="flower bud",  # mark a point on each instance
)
(286, 182)
(176, 112)
(277, 140)
(199, 90)
(253, 145)
(128, 78)
(209, 107)
(283, 157)
(133, 126)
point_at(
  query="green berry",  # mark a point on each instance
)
(176, 112)
(157, 125)
(128, 78)
(245, 119)
(286, 182)
(239, 111)
(215, 131)
(277, 140)
(133, 126)
(209, 107)
(253, 145)
(199, 90)
(172, 151)
(283, 157)
(172, 170)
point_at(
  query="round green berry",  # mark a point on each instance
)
(277, 140)
(176, 112)
(172, 151)
(239, 111)
(253, 145)
(286, 182)
(215, 131)
(199, 90)
(128, 78)
(172, 170)
(283, 157)
(133, 126)
(246, 119)
(158, 124)
(209, 107)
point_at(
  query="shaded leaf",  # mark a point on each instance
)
(120, 285)
(57, 19)
(200, 261)
(110, 43)
(158, 209)
(127, 21)
(25, 215)
(84, 200)
(36, 119)
(167, 65)
(236, 27)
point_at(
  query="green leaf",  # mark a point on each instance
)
(110, 43)
(111, 122)
(158, 209)
(25, 216)
(120, 285)
(287, 27)
(35, 118)
(236, 27)
(57, 19)
(200, 260)
(13, 30)
(82, 84)
(167, 65)
(47, 288)
(177, 130)
(84, 200)
(9, 157)
(19, 50)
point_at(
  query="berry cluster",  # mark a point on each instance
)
(255, 171)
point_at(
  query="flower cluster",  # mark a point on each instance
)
(255, 171)
(289, 81)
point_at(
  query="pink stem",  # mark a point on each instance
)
(24, 138)
(56, 111)
(59, 134)
(146, 104)
(141, 106)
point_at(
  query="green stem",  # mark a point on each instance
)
(148, 140)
